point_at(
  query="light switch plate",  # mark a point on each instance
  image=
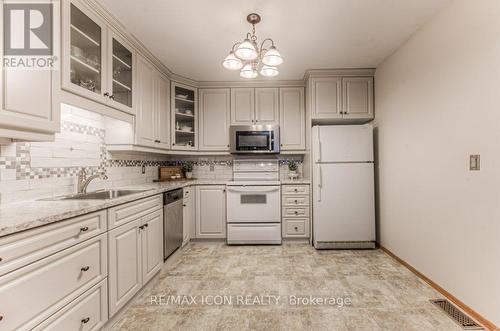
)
(475, 162)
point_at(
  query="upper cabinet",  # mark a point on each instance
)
(184, 117)
(357, 97)
(153, 112)
(335, 99)
(251, 106)
(266, 106)
(96, 63)
(214, 119)
(292, 119)
(28, 107)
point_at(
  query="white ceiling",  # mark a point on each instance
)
(192, 37)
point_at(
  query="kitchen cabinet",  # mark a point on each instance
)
(184, 126)
(96, 63)
(28, 105)
(266, 106)
(214, 119)
(295, 201)
(251, 106)
(211, 211)
(153, 113)
(188, 215)
(292, 119)
(135, 248)
(152, 244)
(357, 97)
(337, 99)
(326, 97)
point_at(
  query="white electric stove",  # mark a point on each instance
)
(254, 203)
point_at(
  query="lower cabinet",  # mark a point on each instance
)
(211, 211)
(295, 211)
(135, 255)
(188, 219)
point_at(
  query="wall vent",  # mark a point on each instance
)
(456, 314)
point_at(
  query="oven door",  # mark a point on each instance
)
(253, 204)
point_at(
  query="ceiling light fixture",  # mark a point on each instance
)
(247, 56)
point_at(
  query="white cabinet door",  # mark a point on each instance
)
(358, 97)
(242, 106)
(84, 50)
(145, 119)
(292, 119)
(188, 224)
(184, 123)
(266, 106)
(326, 97)
(120, 74)
(214, 119)
(162, 106)
(28, 109)
(152, 244)
(124, 264)
(211, 211)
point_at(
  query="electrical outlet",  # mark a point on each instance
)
(475, 162)
(212, 167)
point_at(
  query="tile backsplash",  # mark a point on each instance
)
(43, 169)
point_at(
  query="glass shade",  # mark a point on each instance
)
(272, 57)
(269, 71)
(246, 51)
(248, 72)
(231, 62)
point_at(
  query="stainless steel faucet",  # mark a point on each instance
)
(83, 181)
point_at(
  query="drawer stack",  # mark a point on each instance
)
(295, 216)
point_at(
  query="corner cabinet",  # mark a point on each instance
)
(214, 119)
(153, 112)
(96, 62)
(292, 119)
(210, 211)
(184, 126)
(339, 99)
(28, 107)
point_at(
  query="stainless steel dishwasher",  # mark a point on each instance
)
(172, 221)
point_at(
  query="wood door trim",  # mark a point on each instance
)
(468, 310)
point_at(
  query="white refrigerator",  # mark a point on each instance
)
(343, 182)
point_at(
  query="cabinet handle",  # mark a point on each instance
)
(296, 228)
(112, 97)
(296, 202)
(141, 227)
(296, 190)
(86, 268)
(1, 259)
(184, 205)
(84, 229)
(146, 225)
(296, 212)
(86, 320)
(1, 317)
(106, 94)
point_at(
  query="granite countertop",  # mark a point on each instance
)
(20, 216)
(295, 181)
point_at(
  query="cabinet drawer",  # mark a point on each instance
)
(296, 189)
(295, 200)
(88, 312)
(26, 247)
(296, 212)
(131, 211)
(295, 227)
(31, 294)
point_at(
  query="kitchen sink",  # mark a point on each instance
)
(97, 195)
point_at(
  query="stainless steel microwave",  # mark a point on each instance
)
(246, 139)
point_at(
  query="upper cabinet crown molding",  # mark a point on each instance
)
(338, 72)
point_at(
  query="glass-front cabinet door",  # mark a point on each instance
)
(121, 74)
(83, 52)
(184, 117)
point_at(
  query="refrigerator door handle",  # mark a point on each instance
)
(320, 182)
(319, 152)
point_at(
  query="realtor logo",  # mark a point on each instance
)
(28, 29)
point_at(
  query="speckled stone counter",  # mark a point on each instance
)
(295, 181)
(20, 216)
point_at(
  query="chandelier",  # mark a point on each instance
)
(247, 56)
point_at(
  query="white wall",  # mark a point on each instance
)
(437, 101)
